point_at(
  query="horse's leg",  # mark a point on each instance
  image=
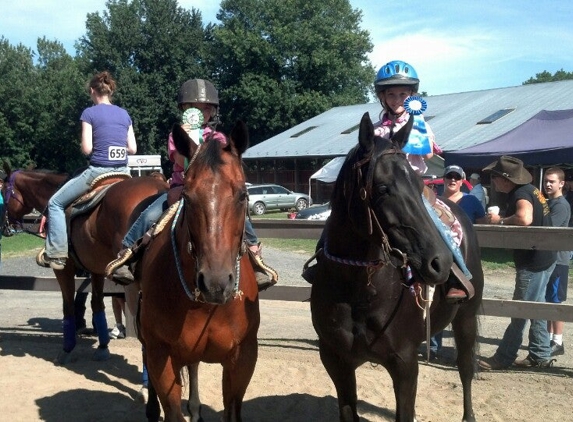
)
(343, 375)
(165, 380)
(100, 321)
(152, 409)
(194, 403)
(465, 330)
(403, 370)
(65, 279)
(237, 373)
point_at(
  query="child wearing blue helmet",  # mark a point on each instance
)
(394, 83)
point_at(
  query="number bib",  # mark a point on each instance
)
(117, 153)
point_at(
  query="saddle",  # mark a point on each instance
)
(94, 196)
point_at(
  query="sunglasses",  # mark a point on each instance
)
(453, 176)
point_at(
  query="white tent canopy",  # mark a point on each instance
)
(328, 173)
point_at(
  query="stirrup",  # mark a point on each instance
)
(122, 259)
(266, 276)
(465, 283)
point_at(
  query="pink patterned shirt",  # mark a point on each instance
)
(177, 175)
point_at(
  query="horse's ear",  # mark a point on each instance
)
(366, 133)
(7, 167)
(401, 137)
(240, 136)
(183, 143)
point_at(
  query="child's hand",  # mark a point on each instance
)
(186, 127)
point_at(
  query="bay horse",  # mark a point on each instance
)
(94, 236)
(199, 296)
(362, 308)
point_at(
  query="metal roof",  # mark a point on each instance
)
(452, 117)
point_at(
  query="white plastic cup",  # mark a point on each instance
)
(493, 210)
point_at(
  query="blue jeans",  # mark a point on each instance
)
(57, 236)
(529, 286)
(152, 213)
(145, 220)
(436, 342)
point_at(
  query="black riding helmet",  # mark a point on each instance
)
(200, 91)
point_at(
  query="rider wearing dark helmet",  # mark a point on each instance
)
(195, 97)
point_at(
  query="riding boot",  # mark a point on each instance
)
(265, 275)
(120, 269)
(460, 288)
(309, 273)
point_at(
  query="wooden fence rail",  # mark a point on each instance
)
(504, 237)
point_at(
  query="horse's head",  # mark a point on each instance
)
(383, 199)
(215, 209)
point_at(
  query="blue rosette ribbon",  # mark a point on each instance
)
(418, 141)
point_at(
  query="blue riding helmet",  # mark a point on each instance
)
(396, 73)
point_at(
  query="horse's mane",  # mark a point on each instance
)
(346, 178)
(211, 154)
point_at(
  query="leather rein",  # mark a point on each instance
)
(365, 194)
(195, 294)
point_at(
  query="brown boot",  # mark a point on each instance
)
(461, 288)
(118, 270)
(265, 275)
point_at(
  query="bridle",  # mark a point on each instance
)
(390, 255)
(195, 294)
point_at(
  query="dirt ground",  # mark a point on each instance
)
(289, 384)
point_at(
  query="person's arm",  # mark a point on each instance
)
(523, 214)
(131, 144)
(87, 139)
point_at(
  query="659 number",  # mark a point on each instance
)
(117, 153)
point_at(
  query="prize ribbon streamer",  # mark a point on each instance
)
(418, 141)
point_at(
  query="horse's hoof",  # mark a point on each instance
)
(63, 358)
(101, 354)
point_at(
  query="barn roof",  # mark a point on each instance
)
(456, 119)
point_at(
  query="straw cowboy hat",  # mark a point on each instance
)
(510, 168)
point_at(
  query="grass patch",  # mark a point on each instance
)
(22, 244)
(306, 246)
(493, 259)
(271, 215)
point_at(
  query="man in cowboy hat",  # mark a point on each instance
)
(526, 206)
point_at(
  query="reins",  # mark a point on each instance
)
(196, 293)
(365, 194)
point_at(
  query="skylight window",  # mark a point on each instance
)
(495, 116)
(302, 132)
(350, 130)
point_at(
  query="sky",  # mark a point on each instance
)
(455, 46)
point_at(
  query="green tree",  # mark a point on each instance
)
(281, 62)
(16, 102)
(545, 76)
(60, 97)
(151, 47)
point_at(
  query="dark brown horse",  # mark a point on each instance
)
(199, 292)
(362, 309)
(95, 238)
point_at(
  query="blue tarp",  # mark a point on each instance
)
(543, 140)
